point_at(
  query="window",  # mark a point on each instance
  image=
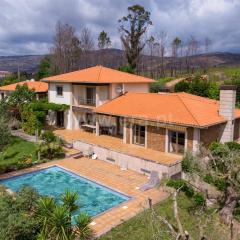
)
(59, 90)
(2, 95)
(139, 135)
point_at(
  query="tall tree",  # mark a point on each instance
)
(132, 29)
(103, 40)
(162, 40)
(103, 43)
(44, 68)
(175, 47)
(87, 44)
(152, 46)
(66, 51)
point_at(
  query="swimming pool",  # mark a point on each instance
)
(54, 181)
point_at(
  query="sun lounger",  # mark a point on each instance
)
(153, 181)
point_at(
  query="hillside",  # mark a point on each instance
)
(114, 58)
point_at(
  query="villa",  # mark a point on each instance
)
(40, 88)
(114, 114)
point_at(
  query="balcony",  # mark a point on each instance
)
(87, 101)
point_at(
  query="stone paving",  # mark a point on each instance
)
(110, 175)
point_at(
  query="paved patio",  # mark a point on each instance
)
(115, 143)
(109, 175)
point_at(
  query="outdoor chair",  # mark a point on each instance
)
(153, 181)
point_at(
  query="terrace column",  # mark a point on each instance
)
(166, 140)
(124, 131)
(97, 96)
(196, 139)
(97, 126)
(70, 109)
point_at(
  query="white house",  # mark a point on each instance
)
(86, 89)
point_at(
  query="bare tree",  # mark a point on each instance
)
(175, 47)
(193, 47)
(132, 28)
(207, 44)
(87, 44)
(152, 48)
(66, 50)
(162, 40)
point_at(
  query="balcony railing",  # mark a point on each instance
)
(87, 101)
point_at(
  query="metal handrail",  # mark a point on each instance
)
(86, 101)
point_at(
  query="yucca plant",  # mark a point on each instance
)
(69, 200)
(60, 224)
(82, 229)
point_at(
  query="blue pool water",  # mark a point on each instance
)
(53, 181)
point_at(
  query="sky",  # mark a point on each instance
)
(27, 26)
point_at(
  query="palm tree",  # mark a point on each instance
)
(83, 231)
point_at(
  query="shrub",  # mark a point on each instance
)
(199, 199)
(183, 185)
(183, 86)
(233, 145)
(50, 147)
(188, 163)
(199, 86)
(48, 137)
(219, 183)
(218, 149)
(126, 68)
(17, 221)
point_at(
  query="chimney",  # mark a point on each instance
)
(226, 109)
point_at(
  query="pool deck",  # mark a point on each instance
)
(109, 175)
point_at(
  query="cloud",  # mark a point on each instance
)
(27, 27)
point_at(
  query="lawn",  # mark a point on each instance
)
(16, 154)
(141, 227)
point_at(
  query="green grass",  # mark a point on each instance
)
(16, 150)
(140, 227)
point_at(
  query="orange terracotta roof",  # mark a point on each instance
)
(174, 108)
(99, 74)
(37, 86)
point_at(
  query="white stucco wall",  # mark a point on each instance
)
(103, 95)
(136, 87)
(52, 93)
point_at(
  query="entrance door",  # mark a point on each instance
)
(176, 142)
(139, 135)
(60, 119)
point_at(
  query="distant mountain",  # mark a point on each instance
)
(28, 63)
(114, 58)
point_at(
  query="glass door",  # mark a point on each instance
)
(176, 142)
(90, 96)
(139, 135)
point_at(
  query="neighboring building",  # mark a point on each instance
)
(4, 74)
(172, 122)
(86, 89)
(40, 88)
